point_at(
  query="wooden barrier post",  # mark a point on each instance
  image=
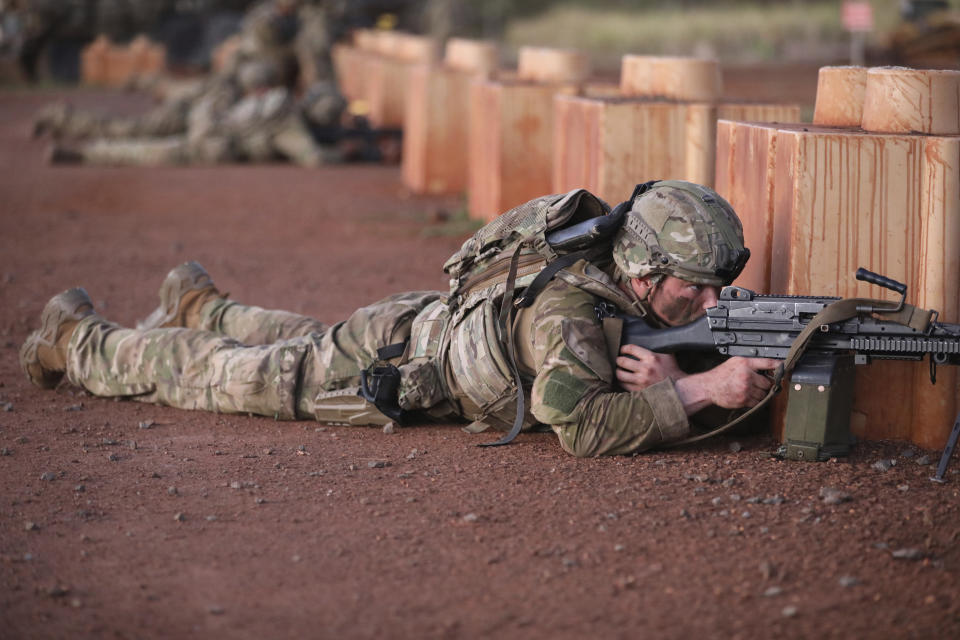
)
(436, 118)
(878, 197)
(511, 130)
(93, 61)
(663, 126)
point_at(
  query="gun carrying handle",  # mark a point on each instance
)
(887, 283)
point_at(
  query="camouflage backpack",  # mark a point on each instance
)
(526, 239)
(520, 250)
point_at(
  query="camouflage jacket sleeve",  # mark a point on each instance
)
(561, 342)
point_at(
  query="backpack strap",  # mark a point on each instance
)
(505, 330)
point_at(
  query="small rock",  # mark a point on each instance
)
(848, 581)
(789, 611)
(471, 517)
(923, 460)
(619, 547)
(172, 491)
(113, 457)
(302, 447)
(685, 514)
(413, 454)
(389, 428)
(5, 452)
(215, 610)
(378, 464)
(353, 467)
(767, 570)
(716, 501)
(908, 554)
(7, 406)
(295, 559)
(48, 476)
(258, 500)
(735, 447)
(268, 452)
(774, 500)
(80, 488)
(772, 591)
(76, 603)
(132, 444)
(907, 453)
(745, 514)
(832, 495)
(883, 465)
(211, 518)
(75, 407)
(235, 484)
(108, 442)
(31, 526)
(903, 487)
(147, 424)
(58, 591)
(179, 517)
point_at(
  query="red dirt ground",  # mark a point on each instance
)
(299, 530)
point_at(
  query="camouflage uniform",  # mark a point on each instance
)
(260, 127)
(249, 360)
(266, 42)
(244, 359)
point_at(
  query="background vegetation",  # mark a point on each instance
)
(735, 30)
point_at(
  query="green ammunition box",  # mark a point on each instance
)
(817, 424)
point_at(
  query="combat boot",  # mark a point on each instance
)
(182, 295)
(43, 356)
(58, 153)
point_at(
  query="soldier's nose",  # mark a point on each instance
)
(710, 297)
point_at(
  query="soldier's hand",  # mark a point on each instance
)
(638, 368)
(734, 384)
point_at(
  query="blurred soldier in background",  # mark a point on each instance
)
(246, 112)
(266, 42)
(267, 123)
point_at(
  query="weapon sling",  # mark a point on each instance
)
(838, 311)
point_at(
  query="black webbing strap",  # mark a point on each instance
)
(544, 277)
(506, 337)
(392, 351)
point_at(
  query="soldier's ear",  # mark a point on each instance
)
(642, 287)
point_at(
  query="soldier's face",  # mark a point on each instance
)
(676, 302)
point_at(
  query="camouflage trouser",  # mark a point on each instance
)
(163, 120)
(245, 359)
(152, 152)
(287, 139)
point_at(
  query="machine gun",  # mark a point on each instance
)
(819, 338)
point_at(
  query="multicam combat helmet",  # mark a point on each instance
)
(684, 230)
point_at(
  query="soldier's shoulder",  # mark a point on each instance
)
(564, 298)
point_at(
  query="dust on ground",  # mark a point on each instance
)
(119, 519)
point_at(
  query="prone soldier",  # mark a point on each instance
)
(451, 357)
